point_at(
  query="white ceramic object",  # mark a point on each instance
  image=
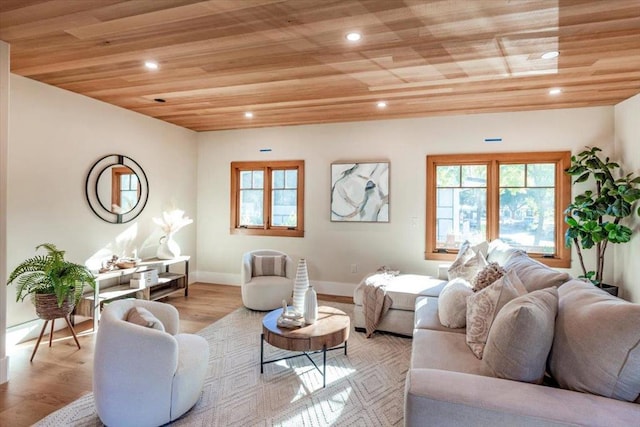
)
(310, 306)
(300, 286)
(168, 248)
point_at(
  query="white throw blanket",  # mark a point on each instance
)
(376, 302)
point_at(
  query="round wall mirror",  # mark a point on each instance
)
(117, 189)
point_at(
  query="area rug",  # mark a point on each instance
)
(364, 388)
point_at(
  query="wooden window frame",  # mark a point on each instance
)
(562, 160)
(116, 188)
(267, 229)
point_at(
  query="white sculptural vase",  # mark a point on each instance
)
(300, 286)
(168, 248)
(310, 306)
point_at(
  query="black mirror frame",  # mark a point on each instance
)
(91, 189)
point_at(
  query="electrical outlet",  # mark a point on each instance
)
(354, 268)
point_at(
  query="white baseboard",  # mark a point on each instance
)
(218, 278)
(321, 286)
(4, 369)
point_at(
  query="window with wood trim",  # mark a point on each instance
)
(267, 198)
(517, 197)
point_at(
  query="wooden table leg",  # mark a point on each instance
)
(73, 332)
(39, 338)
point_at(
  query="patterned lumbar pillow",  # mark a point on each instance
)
(268, 265)
(143, 317)
(489, 274)
(483, 306)
(452, 303)
(521, 336)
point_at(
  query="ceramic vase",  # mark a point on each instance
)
(168, 248)
(310, 306)
(300, 286)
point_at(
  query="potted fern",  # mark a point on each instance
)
(594, 217)
(55, 284)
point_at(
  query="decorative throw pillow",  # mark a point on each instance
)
(483, 306)
(596, 346)
(465, 253)
(268, 265)
(452, 303)
(520, 338)
(534, 274)
(489, 274)
(143, 317)
(469, 269)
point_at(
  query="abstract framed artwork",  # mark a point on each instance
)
(360, 191)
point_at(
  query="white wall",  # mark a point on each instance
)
(627, 148)
(55, 137)
(4, 144)
(330, 248)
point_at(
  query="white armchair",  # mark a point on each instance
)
(144, 376)
(266, 292)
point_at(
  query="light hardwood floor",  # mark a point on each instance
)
(62, 373)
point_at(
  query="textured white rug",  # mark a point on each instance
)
(364, 388)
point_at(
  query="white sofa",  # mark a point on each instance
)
(447, 385)
(144, 376)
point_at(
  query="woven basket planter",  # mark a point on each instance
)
(47, 307)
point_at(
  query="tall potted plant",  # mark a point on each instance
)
(55, 284)
(594, 217)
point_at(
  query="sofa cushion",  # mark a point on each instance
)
(443, 350)
(268, 265)
(534, 274)
(143, 317)
(520, 338)
(452, 303)
(482, 308)
(501, 252)
(596, 346)
(426, 316)
(404, 289)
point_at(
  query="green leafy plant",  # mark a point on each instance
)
(51, 274)
(594, 217)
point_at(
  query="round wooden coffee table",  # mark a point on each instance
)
(326, 334)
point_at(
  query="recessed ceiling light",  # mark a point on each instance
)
(248, 115)
(555, 91)
(550, 55)
(382, 104)
(151, 65)
(353, 36)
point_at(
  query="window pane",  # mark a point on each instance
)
(258, 179)
(291, 180)
(134, 182)
(251, 203)
(462, 215)
(245, 179)
(277, 178)
(541, 175)
(527, 219)
(284, 208)
(511, 175)
(474, 176)
(124, 182)
(448, 176)
(128, 200)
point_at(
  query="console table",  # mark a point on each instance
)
(118, 286)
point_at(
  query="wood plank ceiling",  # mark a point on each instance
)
(289, 63)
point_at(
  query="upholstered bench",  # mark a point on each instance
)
(403, 290)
